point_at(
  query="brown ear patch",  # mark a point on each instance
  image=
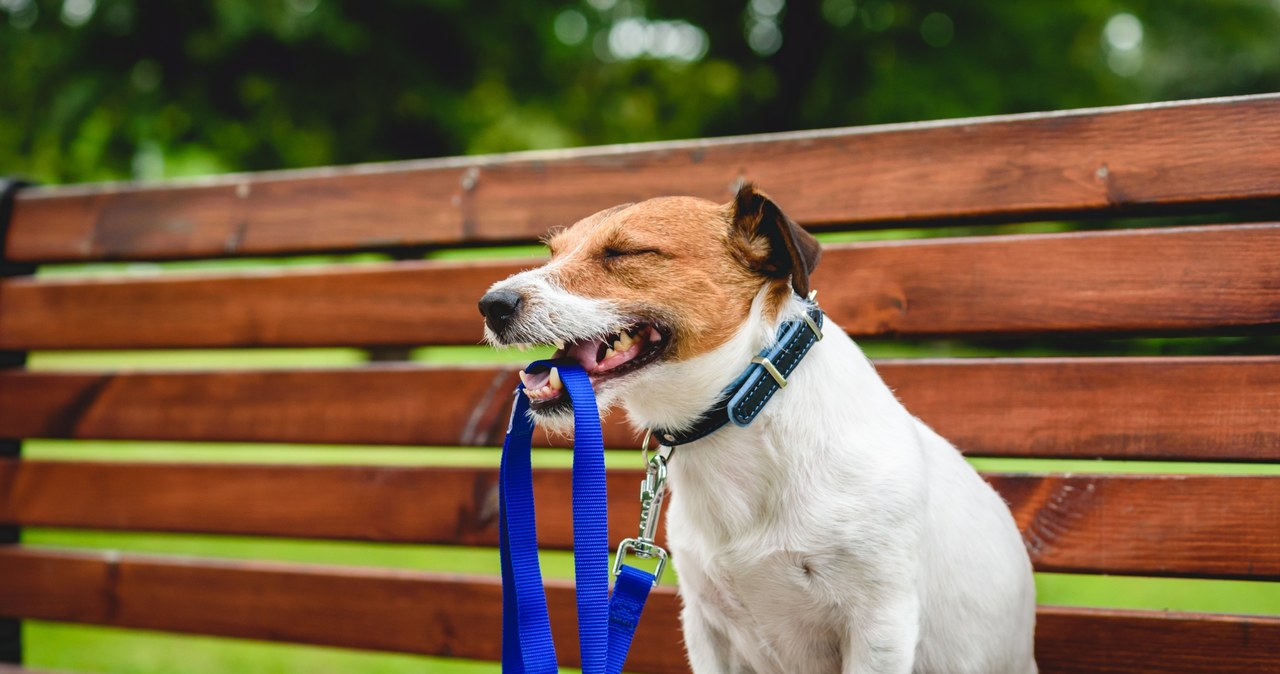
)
(770, 243)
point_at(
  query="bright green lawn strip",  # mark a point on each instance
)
(195, 359)
(1173, 594)
(79, 648)
(127, 270)
(221, 359)
(1100, 467)
(478, 355)
(210, 452)
(489, 253)
(432, 558)
(263, 453)
(943, 232)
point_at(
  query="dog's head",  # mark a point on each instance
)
(639, 291)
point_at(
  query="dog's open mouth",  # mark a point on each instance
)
(602, 358)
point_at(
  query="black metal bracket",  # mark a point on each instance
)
(8, 190)
(10, 628)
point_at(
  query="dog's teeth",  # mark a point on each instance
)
(609, 353)
(624, 342)
(524, 379)
(560, 344)
(555, 379)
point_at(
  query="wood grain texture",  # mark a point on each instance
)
(1101, 641)
(408, 303)
(1121, 160)
(1175, 279)
(1153, 280)
(1198, 526)
(1216, 408)
(1213, 409)
(415, 612)
(1148, 525)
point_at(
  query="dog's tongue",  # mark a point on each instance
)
(586, 353)
(536, 380)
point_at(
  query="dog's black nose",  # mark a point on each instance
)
(498, 308)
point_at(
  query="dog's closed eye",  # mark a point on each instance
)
(612, 253)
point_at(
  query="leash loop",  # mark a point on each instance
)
(606, 623)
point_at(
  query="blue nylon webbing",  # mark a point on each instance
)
(605, 624)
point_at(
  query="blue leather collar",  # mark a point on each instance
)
(742, 400)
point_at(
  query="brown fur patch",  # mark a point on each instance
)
(671, 260)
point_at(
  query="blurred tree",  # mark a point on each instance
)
(103, 89)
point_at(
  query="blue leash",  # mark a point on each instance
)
(606, 624)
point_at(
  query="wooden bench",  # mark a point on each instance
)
(1216, 159)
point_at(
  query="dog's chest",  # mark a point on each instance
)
(773, 605)
(776, 598)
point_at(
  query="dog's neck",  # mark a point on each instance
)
(832, 426)
(677, 395)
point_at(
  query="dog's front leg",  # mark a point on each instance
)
(883, 641)
(707, 646)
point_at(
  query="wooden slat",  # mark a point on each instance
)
(1218, 408)
(431, 614)
(1187, 278)
(1148, 525)
(1100, 641)
(1215, 409)
(1119, 160)
(1162, 280)
(400, 304)
(1222, 527)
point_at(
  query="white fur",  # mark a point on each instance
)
(549, 312)
(914, 564)
(836, 533)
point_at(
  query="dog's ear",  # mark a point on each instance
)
(769, 242)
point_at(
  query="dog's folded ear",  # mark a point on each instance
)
(769, 242)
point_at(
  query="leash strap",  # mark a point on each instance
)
(606, 624)
(526, 629)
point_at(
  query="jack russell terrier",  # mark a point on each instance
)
(826, 529)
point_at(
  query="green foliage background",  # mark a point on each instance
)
(111, 89)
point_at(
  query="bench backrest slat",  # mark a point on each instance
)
(1111, 161)
(1208, 408)
(1156, 280)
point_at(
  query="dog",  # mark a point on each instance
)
(834, 533)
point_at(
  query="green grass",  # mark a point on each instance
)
(101, 650)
